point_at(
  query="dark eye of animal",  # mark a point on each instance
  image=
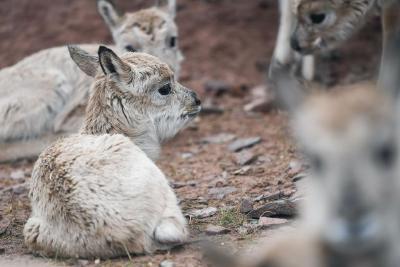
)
(130, 48)
(165, 90)
(172, 41)
(386, 155)
(317, 18)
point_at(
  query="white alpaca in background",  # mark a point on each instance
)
(39, 92)
(284, 54)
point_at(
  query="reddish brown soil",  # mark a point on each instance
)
(228, 40)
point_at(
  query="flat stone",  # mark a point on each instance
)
(18, 174)
(242, 171)
(295, 167)
(203, 213)
(177, 185)
(186, 155)
(246, 205)
(16, 189)
(268, 221)
(221, 192)
(167, 263)
(219, 138)
(269, 197)
(279, 208)
(243, 143)
(244, 157)
(216, 230)
(262, 100)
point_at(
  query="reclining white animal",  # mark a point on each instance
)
(98, 193)
(39, 92)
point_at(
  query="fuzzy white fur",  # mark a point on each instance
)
(283, 53)
(98, 193)
(40, 92)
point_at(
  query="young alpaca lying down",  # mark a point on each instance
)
(99, 194)
(39, 92)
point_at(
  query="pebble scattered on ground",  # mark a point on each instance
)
(243, 143)
(203, 213)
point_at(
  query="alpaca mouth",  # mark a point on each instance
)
(192, 112)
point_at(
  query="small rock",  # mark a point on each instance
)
(246, 205)
(219, 138)
(244, 157)
(271, 197)
(204, 213)
(2, 251)
(216, 87)
(242, 171)
(16, 189)
(262, 100)
(186, 155)
(294, 168)
(285, 208)
(167, 263)
(221, 192)
(267, 221)
(216, 230)
(243, 143)
(18, 174)
(177, 185)
(20, 189)
(97, 261)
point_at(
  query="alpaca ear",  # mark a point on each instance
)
(168, 5)
(290, 92)
(111, 64)
(109, 13)
(86, 62)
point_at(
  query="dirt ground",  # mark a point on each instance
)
(228, 41)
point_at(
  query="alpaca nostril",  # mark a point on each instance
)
(197, 101)
(295, 44)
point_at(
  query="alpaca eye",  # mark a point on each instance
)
(317, 18)
(386, 155)
(130, 48)
(172, 41)
(165, 90)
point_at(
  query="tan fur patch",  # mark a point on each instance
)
(340, 107)
(147, 20)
